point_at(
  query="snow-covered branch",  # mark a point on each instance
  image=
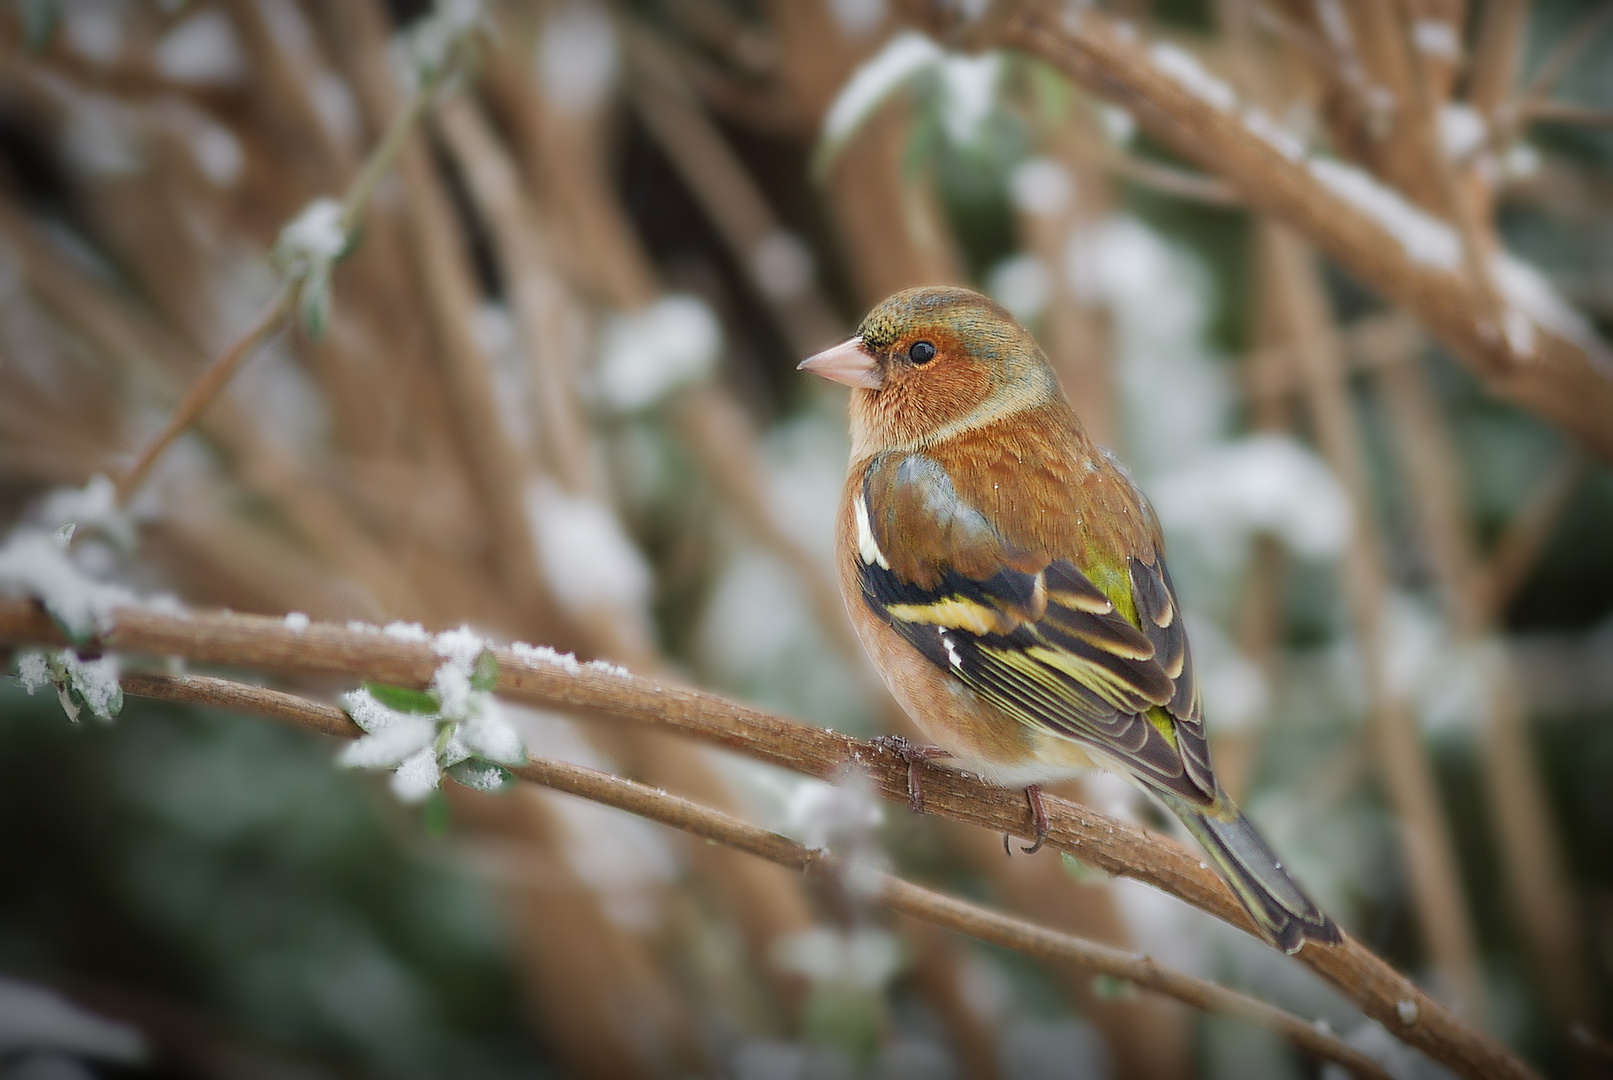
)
(539, 675)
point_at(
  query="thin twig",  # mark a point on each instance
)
(274, 313)
(214, 379)
(268, 644)
(890, 891)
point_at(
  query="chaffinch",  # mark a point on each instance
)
(1008, 580)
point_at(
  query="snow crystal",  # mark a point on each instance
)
(1265, 483)
(296, 622)
(1023, 284)
(1461, 129)
(1273, 134)
(1041, 186)
(968, 87)
(489, 735)
(1437, 38)
(1185, 68)
(34, 1020)
(543, 654)
(865, 958)
(33, 671)
(1425, 238)
(202, 50)
(1406, 1009)
(781, 265)
(577, 58)
(587, 559)
(359, 626)
(315, 234)
(402, 631)
(608, 668)
(646, 354)
(389, 745)
(856, 18)
(96, 682)
(33, 564)
(451, 681)
(417, 777)
(905, 56)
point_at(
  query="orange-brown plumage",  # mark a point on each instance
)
(1008, 580)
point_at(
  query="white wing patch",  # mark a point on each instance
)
(866, 546)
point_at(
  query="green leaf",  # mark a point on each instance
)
(480, 775)
(403, 699)
(484, 675)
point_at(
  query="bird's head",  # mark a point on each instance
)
(933, 362)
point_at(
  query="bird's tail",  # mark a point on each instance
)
(1279, 908)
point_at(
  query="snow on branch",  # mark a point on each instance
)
(1542, 357)
(552, 679)
(884, 889)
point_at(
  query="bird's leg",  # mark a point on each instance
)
(915, 754)
(1033, 793)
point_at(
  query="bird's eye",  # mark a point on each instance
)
(922, 352)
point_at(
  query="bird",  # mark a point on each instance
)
(1007, 578)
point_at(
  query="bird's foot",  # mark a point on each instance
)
(915, 754)
(1033, 793)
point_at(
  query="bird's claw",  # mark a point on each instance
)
(915, 754)
(1033, 793)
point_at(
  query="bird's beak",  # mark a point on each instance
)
(847, 362)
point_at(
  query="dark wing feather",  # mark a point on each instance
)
(1034, 636)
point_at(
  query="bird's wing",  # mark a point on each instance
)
(1033, 634)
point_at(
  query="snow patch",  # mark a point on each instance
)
(1462, 130)
(864, 958)
(296, 622)
(202, 50)
(35, 565)
(968, 88)
(577, 62)
(1437, 38)
(1264, 483)
(647, 354)
(905, 56)
(1190, 74)
(1426, 239)
(588, 561)
(1041, 186)
(1023, 284)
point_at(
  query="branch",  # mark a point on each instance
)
(274, 313)
(1564, 382)
(247, 641)
(887, 890)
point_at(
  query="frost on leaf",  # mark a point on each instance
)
(80, 684)
(455, 727)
